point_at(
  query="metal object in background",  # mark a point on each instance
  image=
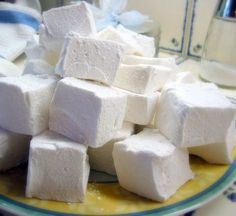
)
(219, 56)
(227, 9)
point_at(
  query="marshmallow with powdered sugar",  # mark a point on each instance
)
(87, 112)
(149, 165)
(141, 109)
(129, 39)
(101, 159)
(142, 79)
(8, 69)
(192, 115)
(88, 58)
(39, 68)
(14, 149)
(57, 22)
(24, 103)
(60, 166)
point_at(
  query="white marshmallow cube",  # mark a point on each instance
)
(14, 149)
(182, 78)
(86, 112)
(58, 169)
(101, 159)
(136, 60)
(149, 165)
(36, 51)
(142, 79)
(33, 49)
(112, 34)
(131, 43)
(57, 22)
(39, 68)
(8, 69)
(218, 153)
(191, 115)
(88, 58)
(24, 103)
(141, 109)
(185, 77)
(145, 45)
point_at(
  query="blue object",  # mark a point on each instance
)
(113, 14)
(16, 17)
(232, 197)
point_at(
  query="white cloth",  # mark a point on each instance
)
(17, 25)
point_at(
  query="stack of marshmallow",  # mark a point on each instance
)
(102, 85)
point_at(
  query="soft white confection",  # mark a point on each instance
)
(131, 44)
(58, 169)
(143, 79)
(185, 77)
(145, 45)
(50, 42)
(36, 51)
(101, 159)
(8, 69)
(112, 34)
(14, 149)
(88, 58)
(191, 115)
(141, 109)
(39, 68)
(219, 153)
(135, 60)
(57, 22)
(87, 112)
(24, 103)
(182, 78)
(149, 165)
(33, 50)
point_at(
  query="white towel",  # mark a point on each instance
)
(17, 25)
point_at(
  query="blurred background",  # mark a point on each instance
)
(184, 23)
(198, 29)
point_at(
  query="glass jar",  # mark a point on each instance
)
(219, 56)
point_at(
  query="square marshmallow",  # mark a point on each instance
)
(136, 60)
(39, 68)
(101, 159)
(87, 112)
(57, 22)
(8, 69)
(14, 149)
(185, 77)
(142, 79)
(149, 165)
(33, 49)
(145, 44)
(24, 103)
(141, 109)
(191, 115)
(129, 39)
(218, 153)
(112, 34)
(58, 169)
(36, 51)
(88, 58)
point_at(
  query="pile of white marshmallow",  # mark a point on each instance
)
(82, 93)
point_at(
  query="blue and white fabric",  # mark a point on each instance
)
(17, 25)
